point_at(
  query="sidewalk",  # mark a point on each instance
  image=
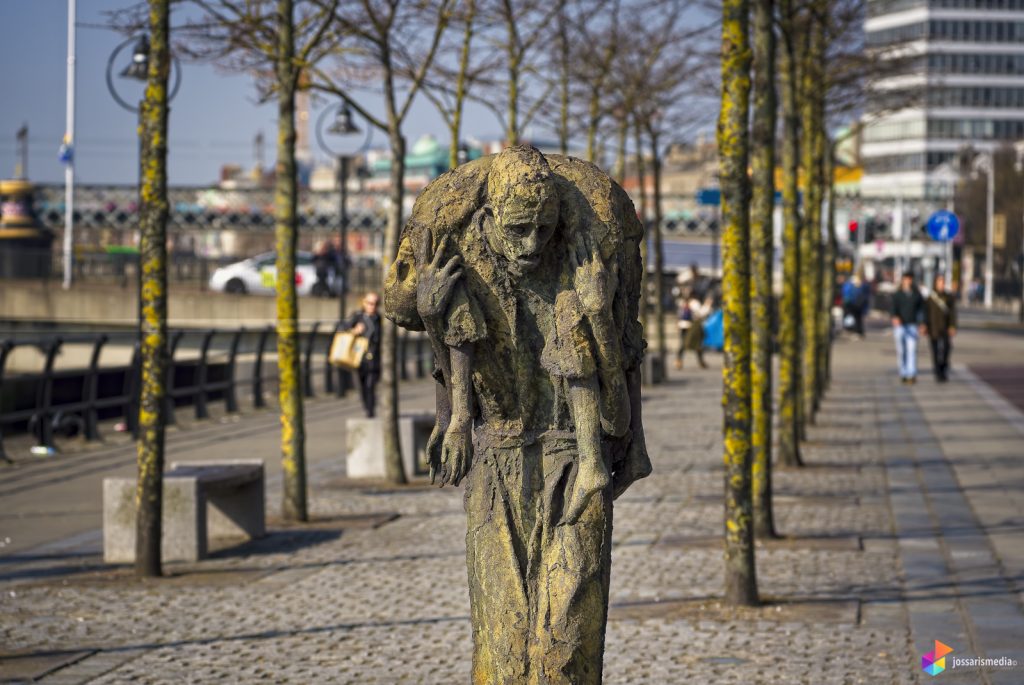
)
(904, 528)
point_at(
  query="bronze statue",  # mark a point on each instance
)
(524, 270)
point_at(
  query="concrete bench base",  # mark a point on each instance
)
(365, 446)
(202, 500)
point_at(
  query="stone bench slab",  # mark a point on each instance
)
(201, 500)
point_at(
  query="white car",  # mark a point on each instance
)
(258, 275)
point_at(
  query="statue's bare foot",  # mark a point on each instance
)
(591, 478)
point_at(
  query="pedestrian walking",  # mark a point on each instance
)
(684, 324)
(367, 323)
(856, 297)
(940, 321)
(907, 319)
(323, 263)
(692, 335)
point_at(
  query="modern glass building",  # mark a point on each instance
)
(960, 82)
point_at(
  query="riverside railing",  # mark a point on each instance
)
(215, 366)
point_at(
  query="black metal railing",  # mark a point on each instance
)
(47, 401)
(121, 268)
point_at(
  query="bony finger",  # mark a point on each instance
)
(423, 249)
(452, 264)
(453, 277)
(581, 249)
(439, 252)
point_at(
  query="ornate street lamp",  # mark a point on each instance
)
(350, 143)
(137, 70)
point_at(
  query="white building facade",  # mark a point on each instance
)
(963, 85)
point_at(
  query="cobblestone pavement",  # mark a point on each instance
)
(374, 590)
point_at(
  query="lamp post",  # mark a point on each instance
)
(137, 70)
(348, 133)
(1019, 167)
(67, 153)
(986, 163)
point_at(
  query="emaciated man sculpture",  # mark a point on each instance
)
(524, 271)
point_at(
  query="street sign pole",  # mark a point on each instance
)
(990, 229)
(943, 226)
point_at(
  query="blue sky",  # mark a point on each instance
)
(214, 118)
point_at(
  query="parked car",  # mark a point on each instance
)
(258, 275)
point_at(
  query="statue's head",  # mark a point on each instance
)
(522, 205)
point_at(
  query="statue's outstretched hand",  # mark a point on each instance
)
(590, 276)
(435, 283)
(637, 465)
(456, 451)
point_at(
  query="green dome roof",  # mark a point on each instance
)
(426, 146)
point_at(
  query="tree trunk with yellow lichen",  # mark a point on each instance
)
(789, 308)
(761, 253)
(825, 278)
(659, 260)
(830, 266)
(733, 144)
(293, 430)
(811, 80)
(153, 263)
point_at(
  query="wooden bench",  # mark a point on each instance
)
(202, 500)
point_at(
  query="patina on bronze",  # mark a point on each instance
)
(524, 270)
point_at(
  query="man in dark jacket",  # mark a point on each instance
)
(940, 320)
(907, 316)
(367, 323)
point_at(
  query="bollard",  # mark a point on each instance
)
(91, 391)
(419, 357)
(5, 349)
(39, 422)
(169, 418)
(133, 381)
(230, 397)
(328, 369)
(257, 369)
(199, 393)
(307, 370)
(403, 346)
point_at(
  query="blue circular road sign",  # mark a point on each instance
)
(943, 225)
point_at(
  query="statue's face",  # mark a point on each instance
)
(521, 234)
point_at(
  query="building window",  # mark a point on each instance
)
(940, 64)
(999, 98)
(917, 161)
(950, 30)
(975, 129)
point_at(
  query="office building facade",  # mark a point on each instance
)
(960, 82)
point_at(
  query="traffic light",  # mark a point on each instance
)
(853, 231)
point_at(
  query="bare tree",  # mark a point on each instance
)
(733, 151)
(762, 242)
(153, 214)
(279, 45)
(520, 28)
(812, 101)
(662, 69)
(448, 85)
(391, 45)
(789, 314)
